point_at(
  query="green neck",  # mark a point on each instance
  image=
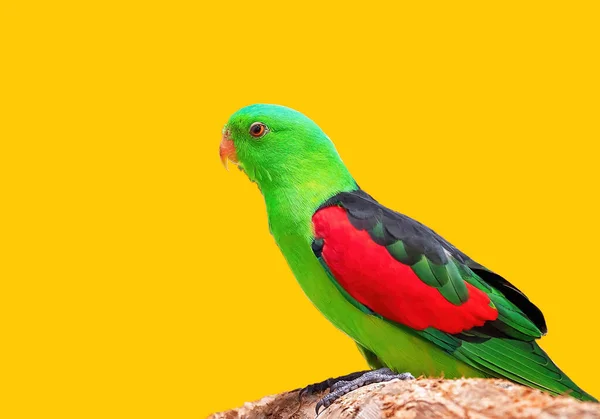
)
(291, 201)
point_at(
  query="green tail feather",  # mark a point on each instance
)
(523, 362)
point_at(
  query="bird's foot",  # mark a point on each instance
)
(341, 387)
(324, 385)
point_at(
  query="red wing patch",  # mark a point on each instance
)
(389, 288)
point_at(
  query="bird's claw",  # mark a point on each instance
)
(342, 387)
(324, 385)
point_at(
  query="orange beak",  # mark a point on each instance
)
(227, 149)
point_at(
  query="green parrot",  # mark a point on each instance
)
(409, 299)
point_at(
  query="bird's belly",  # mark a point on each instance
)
(396, 346)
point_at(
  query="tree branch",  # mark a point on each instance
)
(430, 398)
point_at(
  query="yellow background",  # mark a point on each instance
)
(139, 278)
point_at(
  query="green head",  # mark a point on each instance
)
(278, 147)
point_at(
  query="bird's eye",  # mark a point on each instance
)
(258, 129)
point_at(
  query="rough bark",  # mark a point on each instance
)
(423, 398)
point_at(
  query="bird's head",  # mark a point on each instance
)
(273, 144)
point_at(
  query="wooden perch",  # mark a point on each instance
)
(423, 398)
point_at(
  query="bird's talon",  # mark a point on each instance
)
(343, 387)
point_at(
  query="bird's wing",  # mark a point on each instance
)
(395, 268)
(405, 272)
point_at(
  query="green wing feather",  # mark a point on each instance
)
(449, 275)
(440, 265)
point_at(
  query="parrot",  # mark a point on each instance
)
(413, 303)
